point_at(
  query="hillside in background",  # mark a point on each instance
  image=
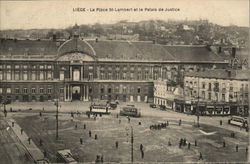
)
(163, 32)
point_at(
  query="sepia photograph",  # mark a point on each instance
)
(116, 81)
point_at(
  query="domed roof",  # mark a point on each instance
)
(76, 45)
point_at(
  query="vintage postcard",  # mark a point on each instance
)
(115, 81)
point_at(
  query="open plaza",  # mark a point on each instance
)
(156, 135)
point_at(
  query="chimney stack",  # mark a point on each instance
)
(233, 52)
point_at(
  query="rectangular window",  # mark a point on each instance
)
(25, 90)
(1, 75)
(33, 75)
(49, 90)
(1, 90)
(109, 90)
(61, 90)
(209, 86)
(25, 75)
(8, 75)
(41, 90)
(102, 90)
(209, 96)
(49, 66)
(235, 95)
(203, 85)
(91, 67)
(41, 75)
(8, 90)
(25, 66)
(61, 75)
(49, 75)
(17, 66)
(33, 90)
(109, 76)
(223, 97)
(138, 90)
(17, 75)
(17, 90)
(41, 66)
(8, 66)
(91, 76)
(203, 94)
(124, 75)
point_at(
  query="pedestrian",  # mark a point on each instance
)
(195, 143)
(167, 123)
(169, 143)
(102, 159)
(141, 147)
(40, 114)
(142, 154)
(88, 115)
(246, 149)
(29, 140)
(117, 115)
(72, 114)
(180, 143)
(41, 142)
(10, 109)
(43, 108)
(45, 153)
(200, 158)
(21, 131)
(97, 158)
(220, 122)
(84, 126)
(224, 144)
(189, 145)
(89, 133)
(116, 144)
(76, 126)
(180, 122)
(5, 113)
(237, 147)
(100, 115)
(128, 119)
(95, 136)
(119, 121)
(139, 123)
(184, 142)
(94, 117)
(13, 124)
(81, 141)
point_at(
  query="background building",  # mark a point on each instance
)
(218, 91)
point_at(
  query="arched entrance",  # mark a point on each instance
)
(76, 93)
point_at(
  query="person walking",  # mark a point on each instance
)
(200, 157)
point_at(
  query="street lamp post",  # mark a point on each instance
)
(56, 103)
(132, 145)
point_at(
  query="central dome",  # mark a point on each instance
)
(76, 45)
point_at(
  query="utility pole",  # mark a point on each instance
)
(132, 145)
(197, 108)
(56, 103)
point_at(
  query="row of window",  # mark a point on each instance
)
(26, 90)
(24, 75)
(122, 90)
(215, 84)
(17, 66)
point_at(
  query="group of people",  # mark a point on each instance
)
(159, 126)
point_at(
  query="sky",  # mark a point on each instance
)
(59, 14)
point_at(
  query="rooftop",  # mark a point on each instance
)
(222, 74)
(106, 50)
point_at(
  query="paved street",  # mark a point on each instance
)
(108, 130)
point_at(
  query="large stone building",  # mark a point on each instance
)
(218, 91)
(77, 69)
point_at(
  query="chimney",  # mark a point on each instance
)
(219, 50)
(54, 37)
(233, 52)
(96, 40)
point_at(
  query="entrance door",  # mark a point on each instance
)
(138, 98)
(76, 94)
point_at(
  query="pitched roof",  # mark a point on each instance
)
(221, 74)
(114, 50)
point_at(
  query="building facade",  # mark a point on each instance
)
(78, 69)
(218, 91)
